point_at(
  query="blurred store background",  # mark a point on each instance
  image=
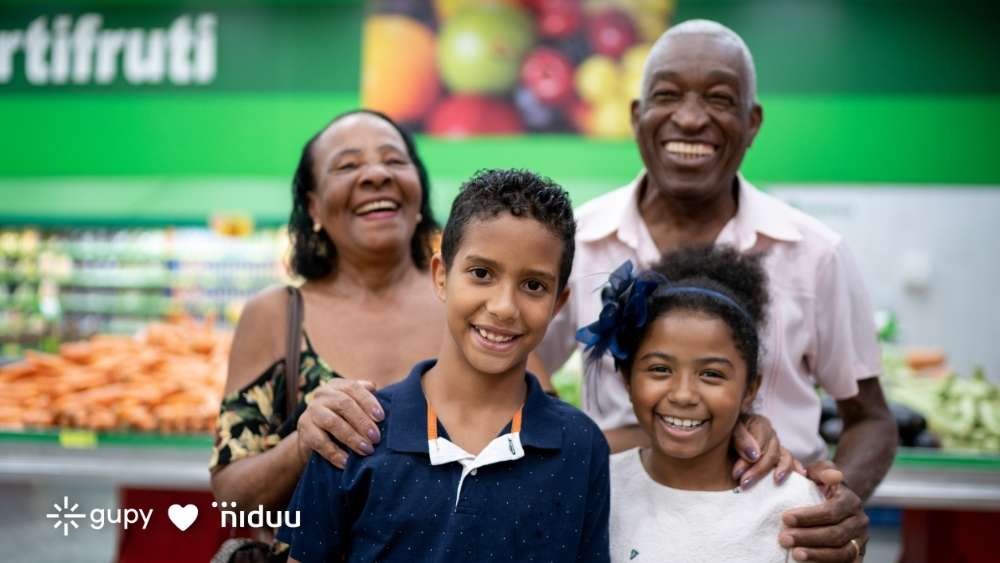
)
(145, 168)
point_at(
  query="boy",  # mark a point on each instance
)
(445, 485)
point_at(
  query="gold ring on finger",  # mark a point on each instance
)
(857, 548)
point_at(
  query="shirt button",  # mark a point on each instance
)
(473, 472)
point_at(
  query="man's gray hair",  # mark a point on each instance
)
(709, 27)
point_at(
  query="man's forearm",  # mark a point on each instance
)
(865, 454)
(868, 442)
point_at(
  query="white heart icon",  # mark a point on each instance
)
(182, 516)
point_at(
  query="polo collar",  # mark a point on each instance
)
(758, 213)
(407, 415)
(505, 447)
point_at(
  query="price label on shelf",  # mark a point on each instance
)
(78, 439)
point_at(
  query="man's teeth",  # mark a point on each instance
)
(380, 205)
(690, 150)
(492, 336)
(682, 422)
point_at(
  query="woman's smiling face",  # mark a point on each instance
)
(688, 385)
(368, 193)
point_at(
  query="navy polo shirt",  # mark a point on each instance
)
(545, 500)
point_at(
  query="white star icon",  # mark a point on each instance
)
(61, 513)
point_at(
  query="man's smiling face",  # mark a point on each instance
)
(695, 119)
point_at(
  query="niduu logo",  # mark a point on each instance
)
(256, 518)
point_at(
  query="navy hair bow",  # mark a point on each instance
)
(625, 300)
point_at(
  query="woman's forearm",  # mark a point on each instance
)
(266, 479)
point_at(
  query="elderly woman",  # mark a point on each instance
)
(361, 228)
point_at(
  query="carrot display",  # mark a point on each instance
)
(168, 378)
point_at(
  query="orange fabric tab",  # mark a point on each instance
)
(432, 423)
(432, 427)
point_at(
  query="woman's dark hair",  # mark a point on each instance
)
(522, 194)
(314, 254)
(721, 270)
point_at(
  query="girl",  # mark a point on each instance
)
(685, 340)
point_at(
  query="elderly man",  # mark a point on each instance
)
(696, 118)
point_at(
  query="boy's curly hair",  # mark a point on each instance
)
(522, 194)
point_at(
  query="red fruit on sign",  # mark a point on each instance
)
(611, 32)
(465, 115)
(549, 75)
(559, 18)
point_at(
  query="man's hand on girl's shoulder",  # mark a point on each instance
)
(836, 530)
(347, 410)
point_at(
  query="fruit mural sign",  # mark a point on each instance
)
(459, 68)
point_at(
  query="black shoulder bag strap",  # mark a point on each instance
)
(293, 351)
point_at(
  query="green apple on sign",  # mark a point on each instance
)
(480, 48)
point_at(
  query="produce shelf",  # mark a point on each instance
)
(941, 479)
(934, 479)
(118, 459)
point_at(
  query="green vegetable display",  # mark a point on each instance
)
(963, 411)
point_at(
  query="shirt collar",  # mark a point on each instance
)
(757, 213)
(622, 209)
(541, 427)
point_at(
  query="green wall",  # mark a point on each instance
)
(853, 92)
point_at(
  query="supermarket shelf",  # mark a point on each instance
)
(919, 478)
(159, 468)
(139, 440)
(137, 460)
(939, 488)
(941, 479)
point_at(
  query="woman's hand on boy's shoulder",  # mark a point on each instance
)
(345, 409)
(756, 442)
(836, 530)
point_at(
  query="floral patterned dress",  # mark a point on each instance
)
(253, 420)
